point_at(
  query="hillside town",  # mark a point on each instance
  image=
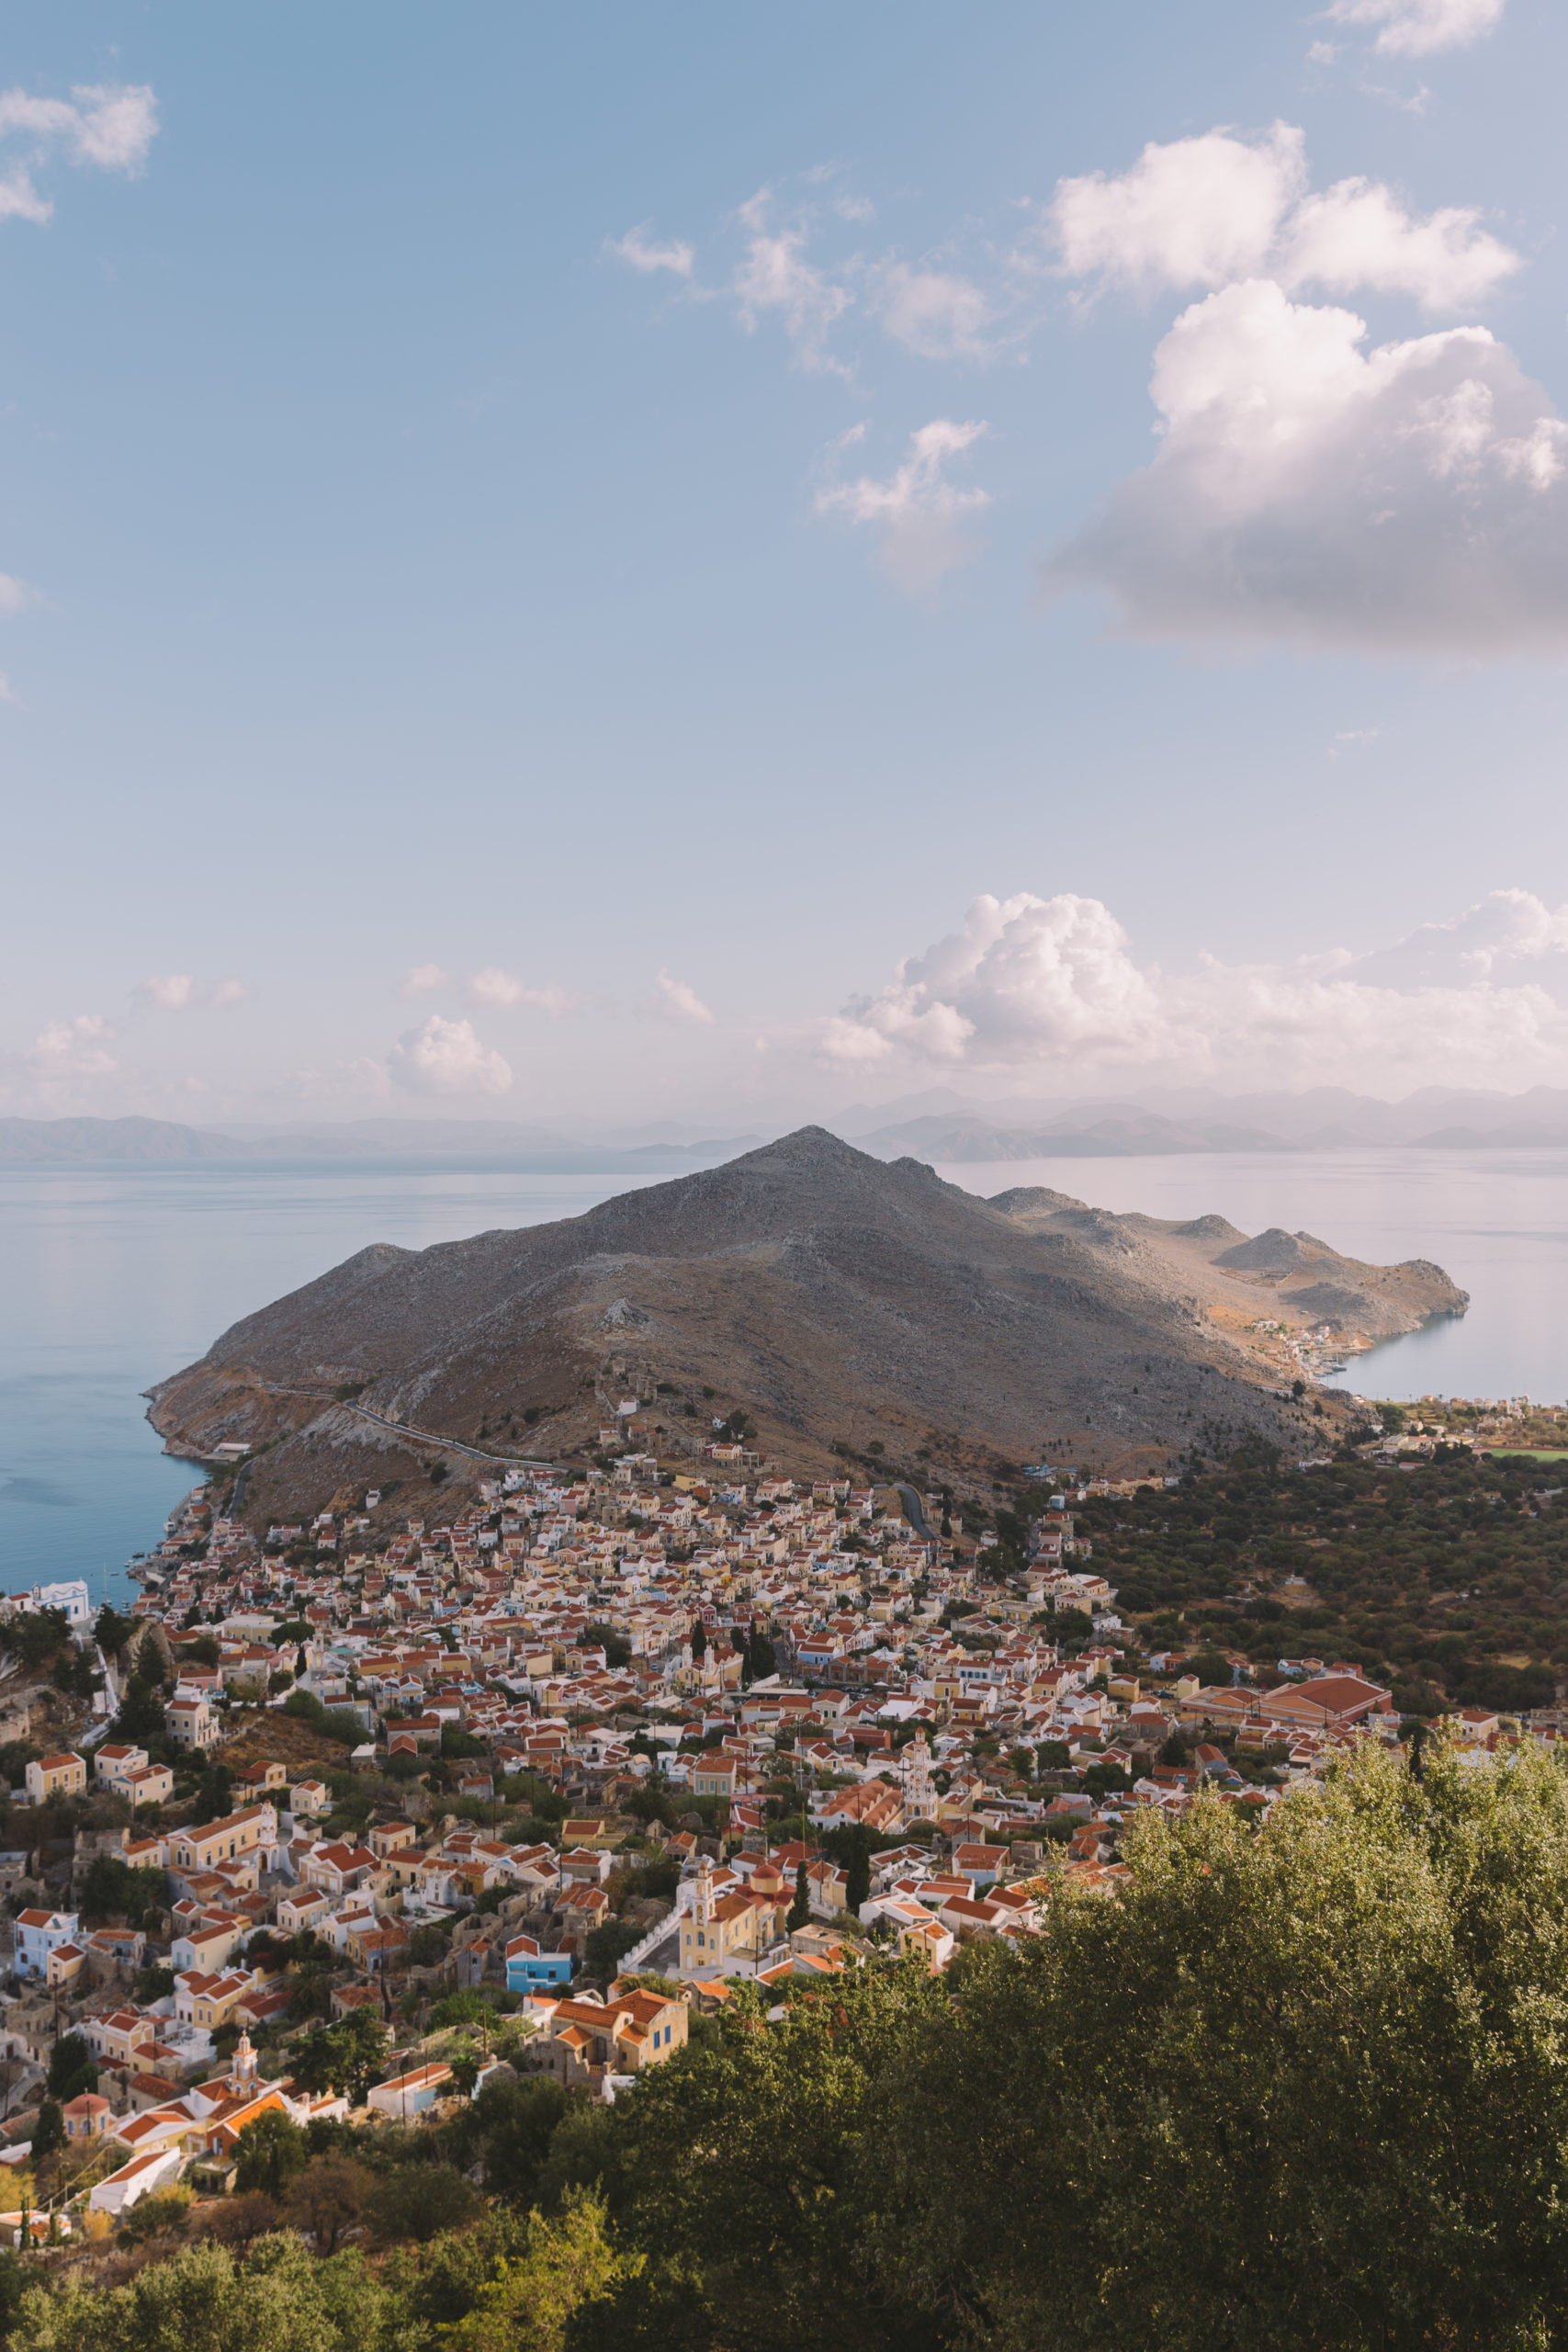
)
(598, 1756)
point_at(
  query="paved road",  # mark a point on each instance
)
(404, 1428)
(916, 1510)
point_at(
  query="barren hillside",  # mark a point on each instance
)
(834, 1297)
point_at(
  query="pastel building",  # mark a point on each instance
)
(531, 1968)
(40, 1933)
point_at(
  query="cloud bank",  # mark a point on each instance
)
(1053, 984)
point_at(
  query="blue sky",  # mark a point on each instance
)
(650, 522)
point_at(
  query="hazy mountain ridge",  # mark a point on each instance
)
(832, 1296)
(493, 1143)
(937, 1124)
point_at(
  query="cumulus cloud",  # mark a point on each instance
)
(110, 127)
(776, 277)
(422, 978)
(678, 1000)
(1357, 234)
(925, 520)
(1207, 210)
(935, 313)
(1421, 28)
(1054, 984)
(643, 253)
(1408, 499)
(183, 992)
(1025, 978)
(492, 986)
(76, 1048)
(446, 1058)
(1192, 213)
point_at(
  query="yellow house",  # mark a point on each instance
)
(738, 1923)
(56, 1776)
(222, 1841)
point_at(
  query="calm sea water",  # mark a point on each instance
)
(111, 1279)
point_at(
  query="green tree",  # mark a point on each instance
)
(858, 1868)
(800, 1909)
(566, 2264)
(111, 1889)
(344, 2055)
(111, 1631)
(604, 1946)
(72, 2068)
(465, 2070)
(514, 2123)
(1291, 2089)
(328, 2198)
(758, 2163)
(699, 1640)
(271, 2151)
(279, 2298)
(417, 2201)
(48, 2132)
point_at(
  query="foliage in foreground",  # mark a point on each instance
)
(1307, 2087)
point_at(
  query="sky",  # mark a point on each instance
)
(717, 562)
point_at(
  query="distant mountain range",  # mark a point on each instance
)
(488, 1143)
(937, 1125)
(1322, 1119)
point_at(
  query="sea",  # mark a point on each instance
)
(112, 1278)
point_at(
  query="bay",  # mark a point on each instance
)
(112, 1278)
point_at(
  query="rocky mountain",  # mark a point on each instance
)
(830, 1297)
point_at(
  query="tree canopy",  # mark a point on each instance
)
(1292, 2086)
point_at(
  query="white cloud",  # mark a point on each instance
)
(492, 986)
(1053, 983)
(446, 1058)
(1026, 977)
(1408, 499)
(775, 276)
(72, 1049)
(1419, 28)
(924, 520)
(14, 594)
(1358, 234)
(934, 314)
(174, 993)
(1194, 212)
(1208, 210)
(678, 1000)
(108, 127)
(182, 992)
(422, 978)
(637, 249)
